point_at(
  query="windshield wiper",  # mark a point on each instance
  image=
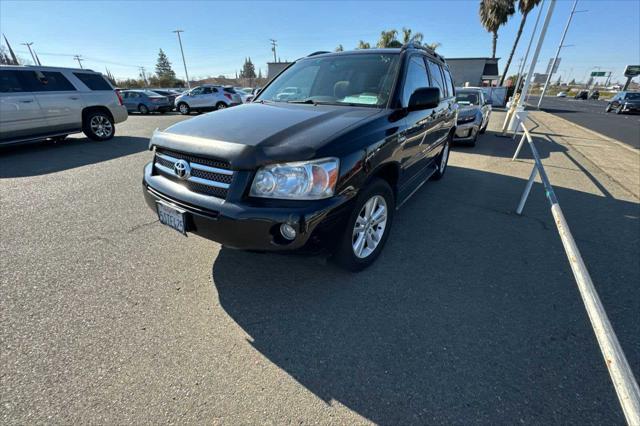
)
(304, 101)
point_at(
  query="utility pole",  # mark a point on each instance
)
(526, 55)
(274, 43)
(608, 78)
(532, 67)
(183, 61)
(144, 76)
(30, 51)
(555, 59)
(79, 59)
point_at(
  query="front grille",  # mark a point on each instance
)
(207, 176)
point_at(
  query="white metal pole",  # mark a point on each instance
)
(183, 61)
(526, 55)
(555, 59)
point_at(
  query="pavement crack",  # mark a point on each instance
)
(142, 225)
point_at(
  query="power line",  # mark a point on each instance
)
(79, 59)
(274, 43)
(29, 44)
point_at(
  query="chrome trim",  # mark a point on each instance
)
(193, 179)
(197, 166)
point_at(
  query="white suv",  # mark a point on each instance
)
(37, 103)
(207, 97)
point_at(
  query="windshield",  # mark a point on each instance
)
(467, 98)
(633, 96)
(363, 80)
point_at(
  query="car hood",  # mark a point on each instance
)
(255, 134)
(467, 110)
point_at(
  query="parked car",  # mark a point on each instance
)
(323, 170)
(206, 98)
(473, 114)
(145, 101)
(624, 102)
(38, 103)
(236, 91)
(583, 94)
(561, 95)
(289, 93)
(595, 95)
(169, 94)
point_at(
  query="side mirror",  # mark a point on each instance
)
(424, 98)
(488, 102)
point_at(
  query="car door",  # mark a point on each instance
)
(20, 113)
(443, 113)
(210, 97)
(419, 124)
(59, 100)
(195, 99)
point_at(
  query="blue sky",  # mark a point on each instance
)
(122, 35)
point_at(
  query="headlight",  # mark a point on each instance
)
(305, 180)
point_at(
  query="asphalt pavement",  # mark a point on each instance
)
(470, 315)
(590, 114)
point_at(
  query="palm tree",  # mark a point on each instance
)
(339, 48)
(525, 6)
(432, 46)
(493, 15)
(363, 45)
(406, 36)
(387, 39)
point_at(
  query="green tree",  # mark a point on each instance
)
(363, 45)
(248, 69)
(572, 82)
(406, 36)
(493, 15)
(165, 76)
(524, 6)
(339, 48)
(388, 39)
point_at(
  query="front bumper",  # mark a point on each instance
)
(243, 225)
(466, 131)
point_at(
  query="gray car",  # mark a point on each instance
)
(38, 103)
(145, 101)
(473, 114)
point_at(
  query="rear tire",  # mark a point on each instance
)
(98, 126)
(221, 105)
(368, 227)
(184, 109)
(142, 109)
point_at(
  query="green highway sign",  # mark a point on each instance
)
(598, 73)
(632, 70)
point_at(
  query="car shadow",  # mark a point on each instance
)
(470, 314)
(48, 157)
(494, 144)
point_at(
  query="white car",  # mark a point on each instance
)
(38, 103)
(207, 97)
(561, 95)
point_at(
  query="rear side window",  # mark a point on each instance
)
(49, 81)
(447, 80)
(436, 78)
(93, 81)
(229, 90)
(10, 82)
(416, 78)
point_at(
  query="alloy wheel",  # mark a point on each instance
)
(369, 226)
(101, 126)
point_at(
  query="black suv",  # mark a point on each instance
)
(624, 102)
(320, 159)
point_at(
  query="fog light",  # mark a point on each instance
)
(287, 231)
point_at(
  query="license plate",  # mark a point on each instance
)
(171, 217)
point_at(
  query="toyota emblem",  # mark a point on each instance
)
(182, 169)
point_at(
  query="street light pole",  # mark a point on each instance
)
(526, 55)
(555, 59)
(182, 52)
(30, 51)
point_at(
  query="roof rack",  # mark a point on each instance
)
(414, 44)
(319, 52)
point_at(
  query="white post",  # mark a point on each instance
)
(526, 55)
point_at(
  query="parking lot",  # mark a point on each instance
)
(470, 315)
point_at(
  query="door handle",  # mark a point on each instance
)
(75, 98)
(27, 101)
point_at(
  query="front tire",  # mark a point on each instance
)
(98, 126)
(619, 110)
(368, 227)
(608, 108)
(184, 109)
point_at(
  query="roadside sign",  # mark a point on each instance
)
(555, 67)
(539, 78)
(632, 70)
(598, 73)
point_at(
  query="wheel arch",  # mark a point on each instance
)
(389, 172)
(95, 108)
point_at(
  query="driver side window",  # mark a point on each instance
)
(196, 91)
(415, 78)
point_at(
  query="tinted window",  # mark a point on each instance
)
(10, 83)
(49, 81)
(436, 78)
(416, 78)
(207, 90)
(93, 81)
(447, 79)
